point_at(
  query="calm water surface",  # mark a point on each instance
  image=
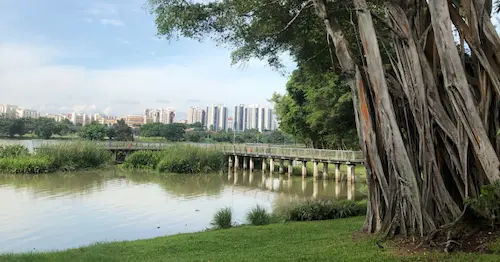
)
(59, 211)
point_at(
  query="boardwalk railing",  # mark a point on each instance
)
(249, 150)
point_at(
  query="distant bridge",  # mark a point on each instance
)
(247, 154)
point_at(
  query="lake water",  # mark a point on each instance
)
(59, 211)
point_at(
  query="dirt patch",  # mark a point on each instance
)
(466, 239)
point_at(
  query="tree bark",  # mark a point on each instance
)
(429, 143)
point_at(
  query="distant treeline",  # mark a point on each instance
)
(46, 128)
(196, 133)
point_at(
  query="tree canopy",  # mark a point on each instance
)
(317, 110)
(426, 104)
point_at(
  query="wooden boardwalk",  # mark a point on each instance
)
(248, 154)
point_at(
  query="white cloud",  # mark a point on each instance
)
(109, 21)
(31, 77)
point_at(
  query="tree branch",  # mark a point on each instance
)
(306, 5)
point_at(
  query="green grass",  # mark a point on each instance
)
(329, 240)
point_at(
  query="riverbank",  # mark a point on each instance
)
(330, 240)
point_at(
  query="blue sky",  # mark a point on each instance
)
(104, 56)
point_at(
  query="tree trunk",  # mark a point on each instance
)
(427, 123)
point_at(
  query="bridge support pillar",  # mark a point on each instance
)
(282, 168)
(251, 164)
(264, 165)
(315, 170)
(271, 165)
(337, 172)
(230, 162)
(304, 168)
(325, 170)
(290, 167)
(245, 160)
(351, 176)
(236, 162)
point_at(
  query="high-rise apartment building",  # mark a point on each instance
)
(162, 115)
(217, 118)
(13, 111)
(196, 115)
(223, 114)
(26, 113)
(253, 117)
(239, 118)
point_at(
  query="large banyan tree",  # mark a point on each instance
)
(424, 77)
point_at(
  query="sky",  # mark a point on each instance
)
(103, 56)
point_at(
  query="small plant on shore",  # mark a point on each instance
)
(321, 210)
(258, 216)
(223, 218)
(487, 204)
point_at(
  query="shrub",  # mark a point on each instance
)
(487, 205)
(29, 164)
(222, 218)
(13, 151)
(142, 159)
(258, 216)
(321, 210)
(71, 156)
(190, 159)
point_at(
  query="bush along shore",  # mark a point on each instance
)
(178, 159)
(62, 157)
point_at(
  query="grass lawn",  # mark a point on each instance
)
(330, 240)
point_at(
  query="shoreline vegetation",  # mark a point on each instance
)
(327, 240)
(178, 159)
(16, 159)
(75, 155)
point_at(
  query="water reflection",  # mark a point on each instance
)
(306, 188)
(58, 211)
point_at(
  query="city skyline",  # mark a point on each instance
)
(215, 117)
(123, 67)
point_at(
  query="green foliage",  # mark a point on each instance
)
(46, 127)
(26, 164)
(487, 205)
(258, 216)
(122, 132)
(13, 151)
(178, 159)
(42, 127)
(110, 132)
(172, 132)
(143, 159)
(190, 159)
(317, 110)
(195, 136)
(94, 131)
(223, 218)
(72, 156)
(321, 210)
(11, 127)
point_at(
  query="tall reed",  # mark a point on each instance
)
(75, 155)
(178, 159)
